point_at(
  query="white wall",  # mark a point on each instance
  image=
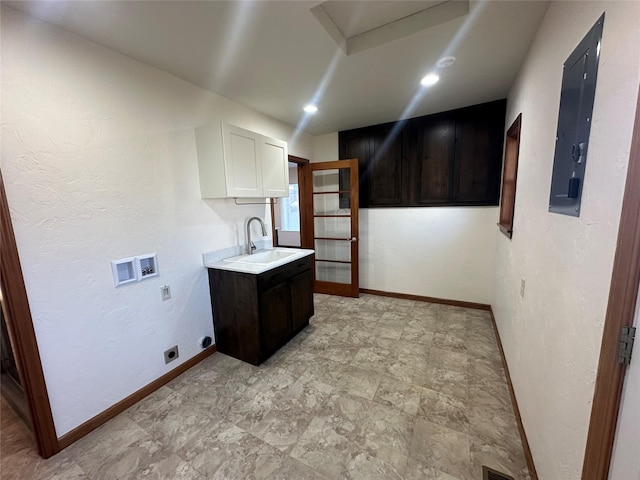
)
(99, 163)
(441, 252)
(552, 336)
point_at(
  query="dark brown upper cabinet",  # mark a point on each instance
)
(450, 158)
(385, 166)
(430, 147)
(379, 153)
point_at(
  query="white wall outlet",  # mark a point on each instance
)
(522, 284)
(165, 290)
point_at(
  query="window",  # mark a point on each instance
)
(290, 210)
(509, 177)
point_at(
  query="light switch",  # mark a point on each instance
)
(166, 292)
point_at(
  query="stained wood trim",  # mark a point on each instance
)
(523, 436)
(301, 162)
(102, 418)
(298, 160)
(20, 323)
(274, 235)
(508, 197)
(306, 221)
(623, 292)
(421, 298)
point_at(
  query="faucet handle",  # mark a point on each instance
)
(253, 246)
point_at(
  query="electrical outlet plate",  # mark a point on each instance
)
(171, 354)
(165, 291)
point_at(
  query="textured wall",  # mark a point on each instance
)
(442, 252)
(552, 336)
(99, 163)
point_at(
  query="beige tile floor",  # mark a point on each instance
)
(374, 388)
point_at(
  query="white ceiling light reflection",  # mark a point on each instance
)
(310, 108)
(429, 80)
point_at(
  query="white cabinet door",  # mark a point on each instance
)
(242, 161)
(237, 163)
(275, 168)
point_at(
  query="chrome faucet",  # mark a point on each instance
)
(250, 245)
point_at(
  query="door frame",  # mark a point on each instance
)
(308, 239)
(621, 307)
(20, 324)
(301, 162)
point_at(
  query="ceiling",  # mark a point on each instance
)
(275, 57)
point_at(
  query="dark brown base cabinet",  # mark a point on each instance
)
(255, 315)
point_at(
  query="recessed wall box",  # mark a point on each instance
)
(124, 271)
(147, 266)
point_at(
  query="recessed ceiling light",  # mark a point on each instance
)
(310, 108)
(429, 80)
(446, 62)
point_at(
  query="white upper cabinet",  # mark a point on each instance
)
(275, 168)
(234, 162)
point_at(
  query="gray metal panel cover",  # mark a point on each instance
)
(574, 123)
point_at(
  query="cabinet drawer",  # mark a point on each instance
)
(280, 274)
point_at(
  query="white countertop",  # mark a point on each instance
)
(256, 268)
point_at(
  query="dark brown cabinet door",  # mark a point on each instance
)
(385, 167)
(436, 147)
(356, 144)
(276, 322)
(479, 155)
(301, 299)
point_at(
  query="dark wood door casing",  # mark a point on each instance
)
(621, 308)
(20, 322)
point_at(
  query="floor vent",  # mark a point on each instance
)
(491, 474)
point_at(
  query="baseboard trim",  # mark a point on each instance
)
(523, 436)
(421, 298)
(102, 418)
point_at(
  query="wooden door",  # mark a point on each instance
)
(332, 203)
